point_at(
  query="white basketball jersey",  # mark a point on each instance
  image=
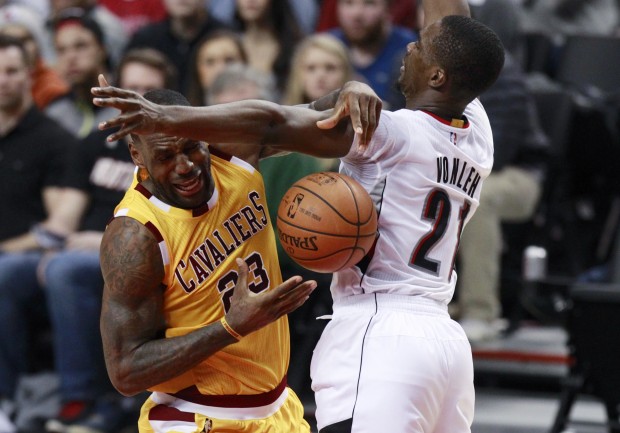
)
(425, 178)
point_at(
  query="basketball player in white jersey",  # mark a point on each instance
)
(391, 359)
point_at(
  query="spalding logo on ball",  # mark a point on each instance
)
(326, 222)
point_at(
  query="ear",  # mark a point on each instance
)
(438, 78)
(136, 156)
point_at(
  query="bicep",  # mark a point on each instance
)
(133, 271)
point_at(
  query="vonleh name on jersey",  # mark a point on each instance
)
(458, 173)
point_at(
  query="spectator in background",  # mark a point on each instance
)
(376, 46)
(561, 18)
(269, 32)
(135, 14)
(19, 22)
(34, 162)
(72, 277)
(238, 82)
(404, 13)
(212, 54)
(81, 57)
(306, 12)
(114, 36)
(510, 194)
(143, 69)
(187, 22)
(320, 64)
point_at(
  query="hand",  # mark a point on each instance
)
(360, 102)
(138, 116)
(250, 312)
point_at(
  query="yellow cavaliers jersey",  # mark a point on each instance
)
(199, 248)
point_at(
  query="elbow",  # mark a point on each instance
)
(125, 387)
(123, 382)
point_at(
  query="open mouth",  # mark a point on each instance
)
(190, 187)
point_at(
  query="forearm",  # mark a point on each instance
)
(244, 122)
(160, 360)
(18, 244)
(436, 9)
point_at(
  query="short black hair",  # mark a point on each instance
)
(162, 97)
(470, 52)
(166, 97)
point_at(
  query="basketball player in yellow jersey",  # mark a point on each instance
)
(194, 307)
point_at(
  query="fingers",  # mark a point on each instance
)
(332, 120)
(292, 299)
(372, 113)
(102, 81)
(358, 116)
(242, 279)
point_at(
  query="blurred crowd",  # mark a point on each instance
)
(553, 183)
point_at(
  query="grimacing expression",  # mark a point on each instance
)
(15, 79)
(179, 169)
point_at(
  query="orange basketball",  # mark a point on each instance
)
(326, 222)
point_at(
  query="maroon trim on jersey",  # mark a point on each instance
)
(220, 154)
(142, 190)
(193, 395)
(203, 209)
(149, 225)
(446, 121)
(166, 413)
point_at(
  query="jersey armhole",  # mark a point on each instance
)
(161, 243)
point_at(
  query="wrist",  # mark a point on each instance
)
(229, 329)
(47, 239)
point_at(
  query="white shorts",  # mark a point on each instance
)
(393, 363)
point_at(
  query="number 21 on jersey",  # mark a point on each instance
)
(437, 210)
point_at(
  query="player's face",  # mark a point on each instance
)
(80, 57)
(141, 78)
(362, 21)
(179, 169)
(417, 62)
(322, 72)
(214, 56)
(14, 78)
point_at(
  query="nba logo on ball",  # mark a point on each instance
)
(292, 210)
(326, 222)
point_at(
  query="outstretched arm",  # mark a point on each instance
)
(434, 10)
(285, 128)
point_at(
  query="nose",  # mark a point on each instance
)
(184, 165)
